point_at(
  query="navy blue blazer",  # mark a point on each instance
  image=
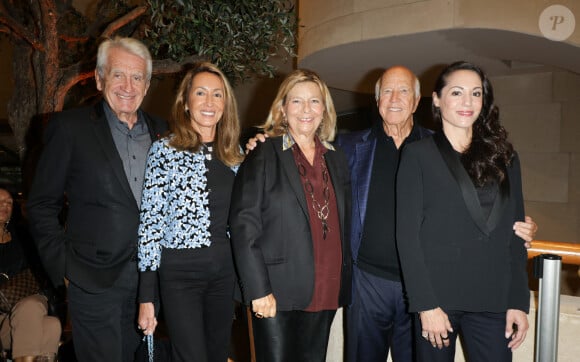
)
(359, 148)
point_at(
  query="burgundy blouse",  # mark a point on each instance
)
(327, 251)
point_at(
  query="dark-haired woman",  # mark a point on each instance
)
(458, 196)
(183, 237)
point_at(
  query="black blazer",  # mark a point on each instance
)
(80, 160)
(270, 230)
(450, 255)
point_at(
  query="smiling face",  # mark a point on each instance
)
(206, 103)
(461, 99)
(6, 204)
(124, 83)
(304, 109)
(397, 100)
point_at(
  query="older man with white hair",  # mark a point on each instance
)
(94, 157)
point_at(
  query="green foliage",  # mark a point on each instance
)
(239, 36)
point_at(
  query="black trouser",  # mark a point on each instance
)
(483, 338)
(292, 336)
(104, 325)
(197, 298)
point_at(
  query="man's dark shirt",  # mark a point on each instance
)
(378, 252)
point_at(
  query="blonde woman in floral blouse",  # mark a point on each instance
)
(183, 237)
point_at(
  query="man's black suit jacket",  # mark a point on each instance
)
(80, 163)
(270, 227)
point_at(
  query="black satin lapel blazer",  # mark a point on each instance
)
(451, 256)
(468, 190)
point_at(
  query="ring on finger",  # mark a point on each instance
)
(259, 315)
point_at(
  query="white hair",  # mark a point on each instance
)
(131, 45)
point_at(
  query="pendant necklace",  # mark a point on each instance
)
(322, 210)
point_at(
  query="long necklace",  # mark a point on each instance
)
(322, 211)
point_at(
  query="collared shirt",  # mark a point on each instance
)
(288, 141)
(132, 146)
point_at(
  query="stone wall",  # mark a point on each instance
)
(541, 112)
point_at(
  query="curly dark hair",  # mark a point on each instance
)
(489, 154)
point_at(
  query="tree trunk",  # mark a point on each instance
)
(23, 106)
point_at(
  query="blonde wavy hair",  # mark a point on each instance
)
(185, 138)
(275, 124)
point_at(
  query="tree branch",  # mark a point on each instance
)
(170, 66)
(17, 30)
(72, 39)
(124, 20)
(71, 82)
(74, 74)
(101, 19)
(49, 75)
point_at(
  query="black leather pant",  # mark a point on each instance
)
(292, 336)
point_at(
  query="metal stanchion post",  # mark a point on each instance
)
(547, 269)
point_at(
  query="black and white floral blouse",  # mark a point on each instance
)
(175, 203)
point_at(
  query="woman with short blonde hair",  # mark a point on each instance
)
(276, 125)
